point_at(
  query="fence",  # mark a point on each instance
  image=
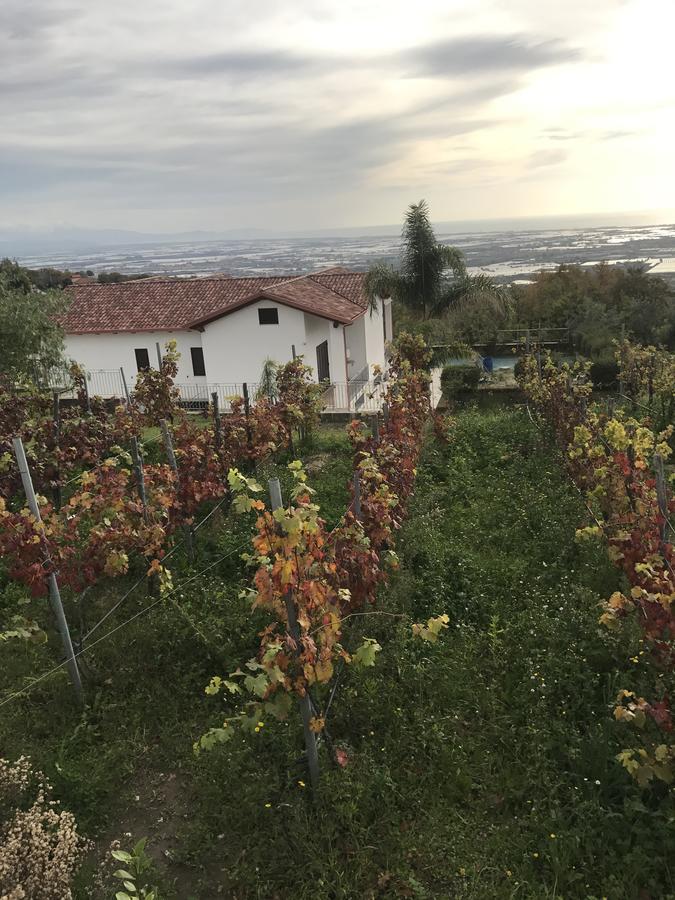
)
(339, 397)
(352, 396)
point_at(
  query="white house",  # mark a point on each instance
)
(225, 328)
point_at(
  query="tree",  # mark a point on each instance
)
(432, 277)
(30, 336)
(598, 304)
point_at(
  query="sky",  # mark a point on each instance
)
(174, 115)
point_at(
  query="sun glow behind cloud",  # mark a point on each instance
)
(176, 114)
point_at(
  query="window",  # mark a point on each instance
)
(198, 367)
(268, 316)
(142, 359)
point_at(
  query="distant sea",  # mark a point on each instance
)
(509, 255)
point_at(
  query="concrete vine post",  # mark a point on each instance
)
(87, 398)
(306, 709)
(126, 387)
(56, 490)
(138, 472)
(54, 592)
(247, 413)
(357, 494)
(661, 493)
(171, 456)
(137, 457)
(217, 433)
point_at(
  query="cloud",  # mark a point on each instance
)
(545, 158)
(122, 111)
(468, 56)
(240, 65)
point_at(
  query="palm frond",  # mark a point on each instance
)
(453, 259)
(472, 289)
(382, 281)
(267, 386)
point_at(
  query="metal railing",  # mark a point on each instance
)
(526, 335)
(106, 383)
(354, 396)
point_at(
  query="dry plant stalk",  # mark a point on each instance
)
(40, 848)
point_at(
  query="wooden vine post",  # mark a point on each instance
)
(54, 592)
(171, 456)
(306, 709)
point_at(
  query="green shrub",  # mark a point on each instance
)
(455, 379)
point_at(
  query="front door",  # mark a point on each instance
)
(322, 367)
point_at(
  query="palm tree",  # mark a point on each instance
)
(432, 278)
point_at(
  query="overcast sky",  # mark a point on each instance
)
(182, 114)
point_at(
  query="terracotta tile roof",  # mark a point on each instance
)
(177, 304)
(347, 284)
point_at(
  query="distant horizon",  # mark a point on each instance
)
(64, 234)
(507, 248)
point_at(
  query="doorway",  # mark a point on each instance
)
(322, 365)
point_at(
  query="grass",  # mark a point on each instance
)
(481, 767)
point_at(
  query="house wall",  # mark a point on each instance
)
(110, 351)
(236, 346)
(365, 342)
(357, 360)
(374, 336)
(317, 331)
(388, 322)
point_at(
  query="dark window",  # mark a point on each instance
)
(322, 365)
(198, 367)
(142, 360)
(268, 316)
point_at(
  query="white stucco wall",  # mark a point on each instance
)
(317, 331)
(236, 346)
(356, 348)
(365, 342)
(110, 351)
(374, 335)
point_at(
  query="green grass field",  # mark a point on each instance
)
(482, 766)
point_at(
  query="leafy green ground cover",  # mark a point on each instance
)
(482, 766)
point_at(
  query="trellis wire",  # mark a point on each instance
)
(142, 579)
(128, 621)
